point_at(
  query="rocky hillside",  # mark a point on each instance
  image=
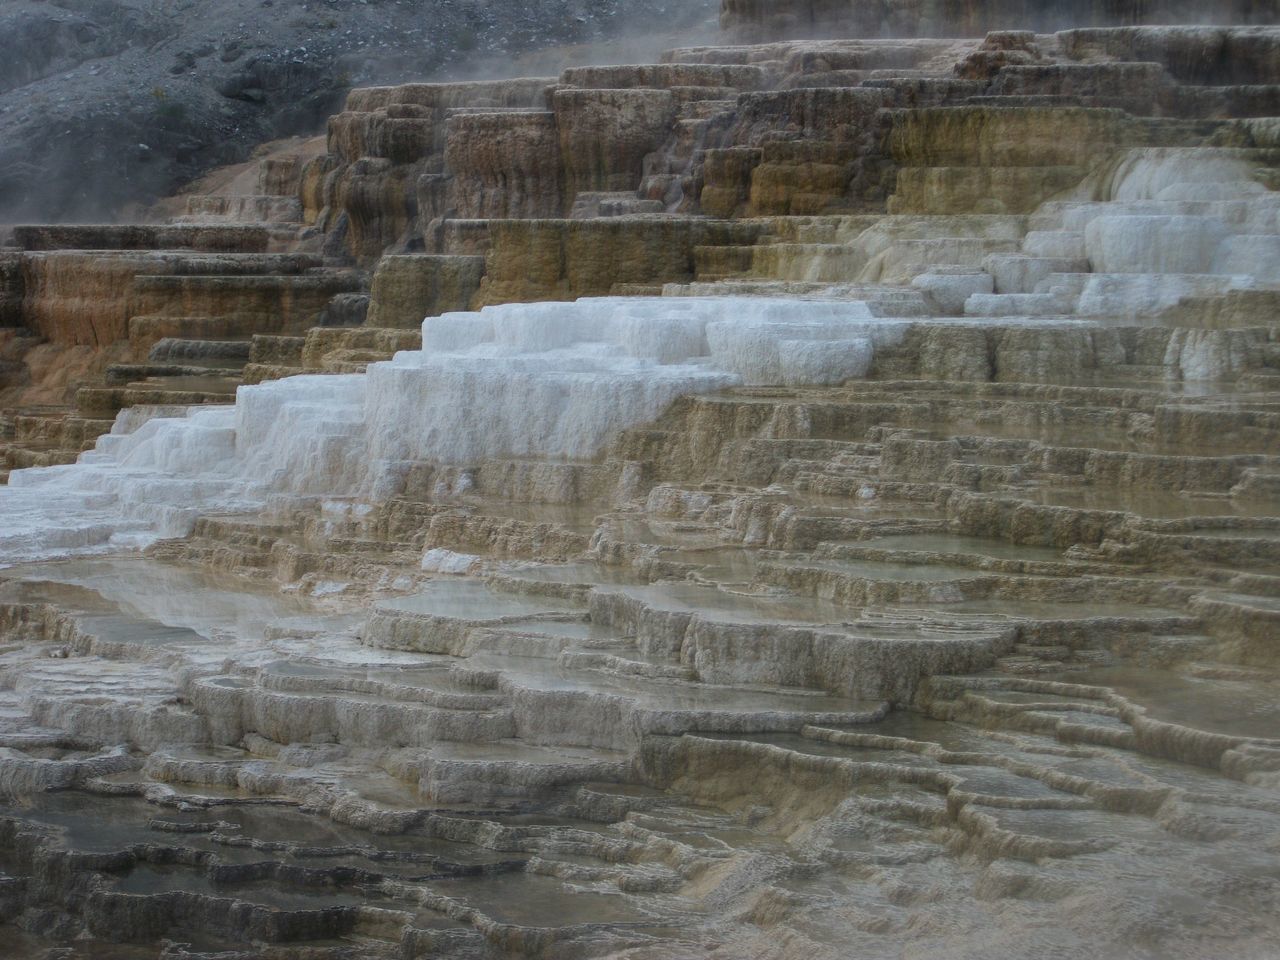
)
(108, 103)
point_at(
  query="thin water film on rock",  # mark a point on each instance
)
(810, 491)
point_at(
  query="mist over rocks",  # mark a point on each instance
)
(108, 104)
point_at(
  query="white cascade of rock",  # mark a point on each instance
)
(546, 380)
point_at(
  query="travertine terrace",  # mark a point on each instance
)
(830, 509)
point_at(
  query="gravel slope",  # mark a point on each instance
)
(107, 104)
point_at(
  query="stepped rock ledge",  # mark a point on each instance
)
(812, 496)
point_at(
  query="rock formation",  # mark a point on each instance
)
(830, 508)
(105, 104)
(756, 20)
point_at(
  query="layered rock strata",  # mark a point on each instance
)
(883, 566)
(755, 20)
(547, 180)
(112, 316)
(958, 607)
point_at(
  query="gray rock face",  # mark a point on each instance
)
(43, 39)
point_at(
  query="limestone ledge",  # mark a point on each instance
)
(748, 20)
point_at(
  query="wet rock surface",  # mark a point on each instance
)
(879, 559)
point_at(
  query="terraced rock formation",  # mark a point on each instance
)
(157, 315)
(755, 20)
(831, 508)
(104, 104)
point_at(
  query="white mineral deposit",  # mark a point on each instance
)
(813, 496)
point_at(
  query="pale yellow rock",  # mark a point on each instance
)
(408, 288)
